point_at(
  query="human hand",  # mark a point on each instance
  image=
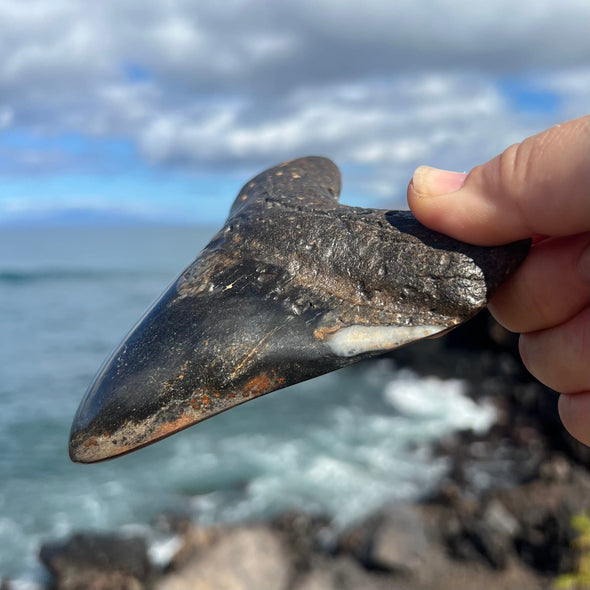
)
(539, 188)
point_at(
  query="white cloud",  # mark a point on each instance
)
(6, 117)
(383, 84)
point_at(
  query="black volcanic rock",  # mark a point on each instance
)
(97, 561)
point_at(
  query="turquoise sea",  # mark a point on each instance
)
(342, 444)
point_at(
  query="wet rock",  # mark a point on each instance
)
(93, 561)
(556, 469)
(544, 510)
(499, 519)
(492, 531)
(484, 556)
(252, 556)
(345, 573)
(399, 542)
(192, 538)
(488, 543)
(305, 535)
(356, 539)
(530, 524)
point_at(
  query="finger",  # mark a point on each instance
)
(574, 411)
(539, 186)
(550, 286)
(560, 357)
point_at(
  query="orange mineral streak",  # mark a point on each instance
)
(261, 384)
(165, 429)
(321, 333)
(168, 428)
(201, 406)
(255, 387)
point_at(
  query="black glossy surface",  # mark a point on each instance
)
(257, 310)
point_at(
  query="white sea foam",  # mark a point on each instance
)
(26, 584)
(438, 403)
(355, 457)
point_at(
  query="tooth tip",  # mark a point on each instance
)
(85, 447)
(86, 452)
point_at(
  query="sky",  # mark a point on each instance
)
(162, 110)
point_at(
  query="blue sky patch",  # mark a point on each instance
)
(525, 96)
(136, 72)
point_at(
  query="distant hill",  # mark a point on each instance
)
(81, 216)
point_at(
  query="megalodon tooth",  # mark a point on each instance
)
(293, 286)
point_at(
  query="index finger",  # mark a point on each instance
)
(538, 186)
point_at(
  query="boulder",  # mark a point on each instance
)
(544, 509)
(399, 542)
(305, 536)
(94, 561)
(530, 523)
(244, 557)
(344, 573)
(396, 540)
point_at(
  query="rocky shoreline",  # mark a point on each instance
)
(512, 538)
(468, 533)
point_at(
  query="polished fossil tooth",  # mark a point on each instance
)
(294, 285)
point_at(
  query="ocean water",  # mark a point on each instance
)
(341, 445)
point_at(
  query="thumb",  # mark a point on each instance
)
(539, 186)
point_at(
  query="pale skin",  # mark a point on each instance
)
(539, 188)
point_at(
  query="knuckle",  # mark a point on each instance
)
(515, 169)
